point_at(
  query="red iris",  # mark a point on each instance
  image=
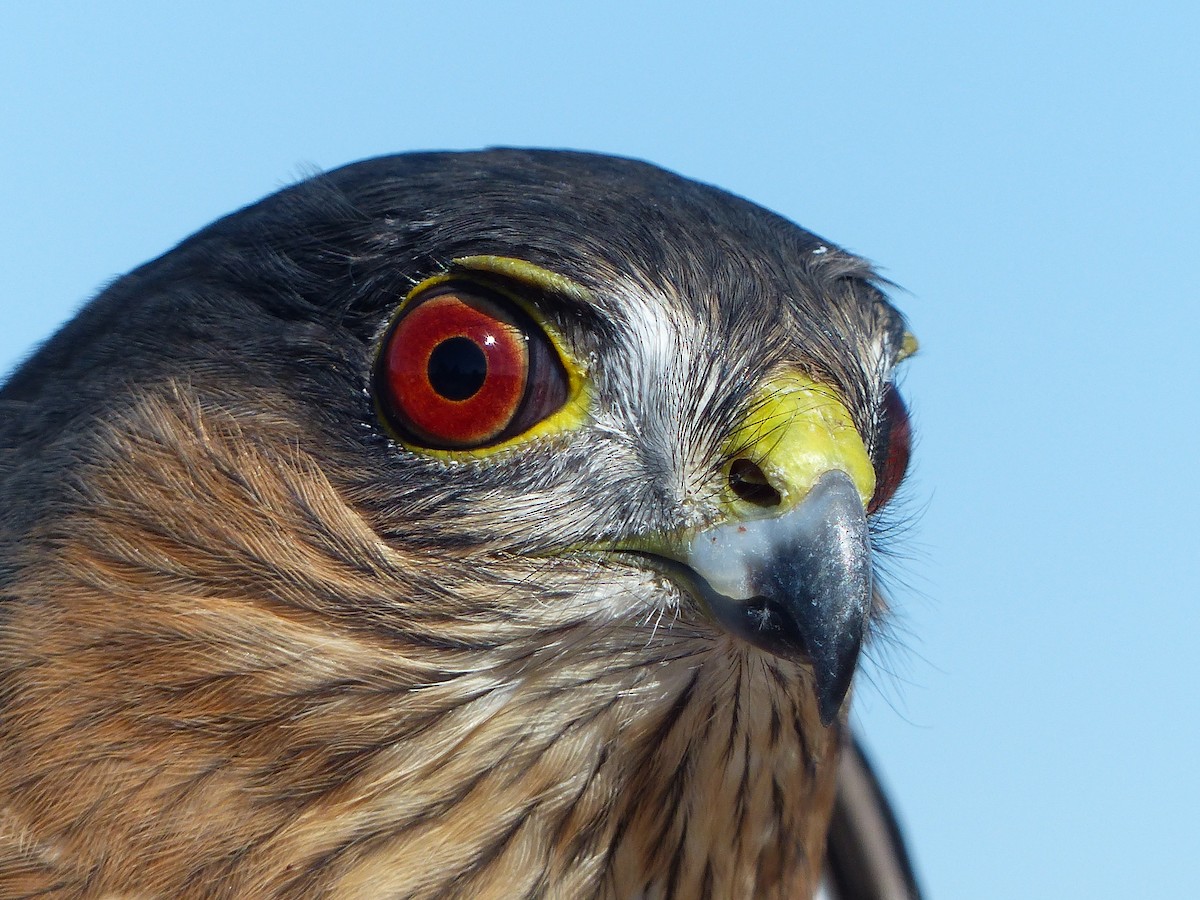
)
(466, 368)
(891, 462)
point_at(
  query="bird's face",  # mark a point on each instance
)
(446, 466)
(660, 448)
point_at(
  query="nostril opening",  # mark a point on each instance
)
(750, 483)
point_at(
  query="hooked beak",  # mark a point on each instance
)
(787, 567)
(797, 585)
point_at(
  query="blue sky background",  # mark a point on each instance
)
(1027, 172)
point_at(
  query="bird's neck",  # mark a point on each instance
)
(698, 777)
(731, 786)
(343, 769)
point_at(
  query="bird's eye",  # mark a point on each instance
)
(891, 460)
(464, 367)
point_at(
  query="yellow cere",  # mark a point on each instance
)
(574, 411)
(909, 345)
(796, 432)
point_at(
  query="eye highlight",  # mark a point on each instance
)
(891, 460)
(464, 367)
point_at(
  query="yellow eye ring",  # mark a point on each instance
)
(468, 367)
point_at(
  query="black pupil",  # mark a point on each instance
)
(457, 368)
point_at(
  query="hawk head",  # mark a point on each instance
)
(488, 524)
